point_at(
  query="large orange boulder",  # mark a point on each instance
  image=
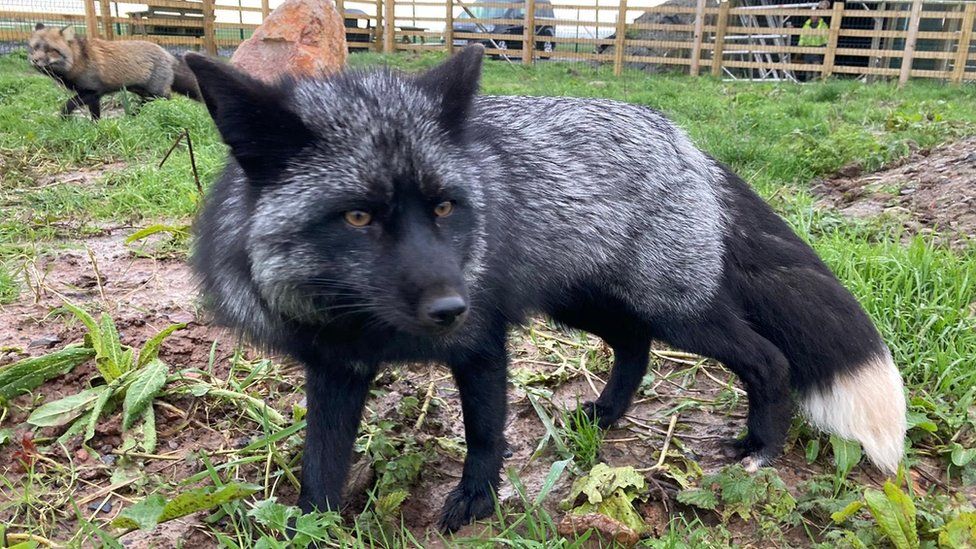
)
(300, 37)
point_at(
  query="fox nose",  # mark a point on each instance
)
(446, 311)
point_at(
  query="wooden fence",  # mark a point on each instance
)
(881, 39)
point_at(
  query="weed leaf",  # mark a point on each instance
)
(150, 350)
(895, 514)
(960, 532)
(962, 456)
(94, 334)
(149, 429)
(847, 454)
(26, 375)
(144, 515)
(154, 229)
(847, 512)
(154, 509)
(96, 411)
(698, 497)
(60, 412)
(555, 472)
(110, 361)
(147, 384)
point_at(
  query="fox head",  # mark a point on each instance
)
(363, 191)
(49, 49)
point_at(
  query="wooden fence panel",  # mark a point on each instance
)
(964, 44)
(722, 28)
(597, 33)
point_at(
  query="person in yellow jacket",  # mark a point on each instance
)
(813, 41)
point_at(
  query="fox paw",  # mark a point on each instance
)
(603, 416)
(463, 507)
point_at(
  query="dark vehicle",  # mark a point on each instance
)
(487, 9)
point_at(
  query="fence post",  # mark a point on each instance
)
(209, 39)
(620, 40)
(909, 54)
(106, 12)
(528, 33)
(696, 47)
(449, 27)
(389, 32)
(723, 23)
(91, 20)
(378, 29)
(265, 10)
(831, 53)
(965, 39)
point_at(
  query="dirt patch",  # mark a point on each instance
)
(930, 192)
(80, 177)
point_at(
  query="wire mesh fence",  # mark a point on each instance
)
(749, 39)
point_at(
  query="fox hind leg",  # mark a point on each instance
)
(760, 365)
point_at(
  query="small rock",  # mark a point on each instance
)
(172, 445)
(46, 341)
(181, 317)
(100, 507)
(82, 455)
(299, 38)
(108, 459)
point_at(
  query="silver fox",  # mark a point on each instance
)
(370, 218)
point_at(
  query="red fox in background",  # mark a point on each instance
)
(91, 68)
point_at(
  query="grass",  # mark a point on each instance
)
(778, 137)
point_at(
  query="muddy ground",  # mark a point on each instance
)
(147, 291)
(930, 192)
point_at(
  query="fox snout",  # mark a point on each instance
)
(443, 311)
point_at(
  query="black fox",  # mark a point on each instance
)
(369, 218)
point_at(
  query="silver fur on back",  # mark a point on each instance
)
(577, 188)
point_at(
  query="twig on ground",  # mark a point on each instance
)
(426, 406)
(98, 275)
(667, 442)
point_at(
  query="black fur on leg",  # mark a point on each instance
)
(481, 381)
(763, 369)
(94, 103)
(336, 396)
(72, 104)
(630, 340)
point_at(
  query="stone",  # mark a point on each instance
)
(299, 38)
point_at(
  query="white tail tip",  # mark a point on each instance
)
(866, 404)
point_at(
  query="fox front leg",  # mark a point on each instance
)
(336, 397)
(481, 382)
(72, 104)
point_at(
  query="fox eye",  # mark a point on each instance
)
(444, 209)
(358, 218)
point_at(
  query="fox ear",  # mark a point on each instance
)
(39, 26)
(68, 32)
(252, 117)
(456, 83)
